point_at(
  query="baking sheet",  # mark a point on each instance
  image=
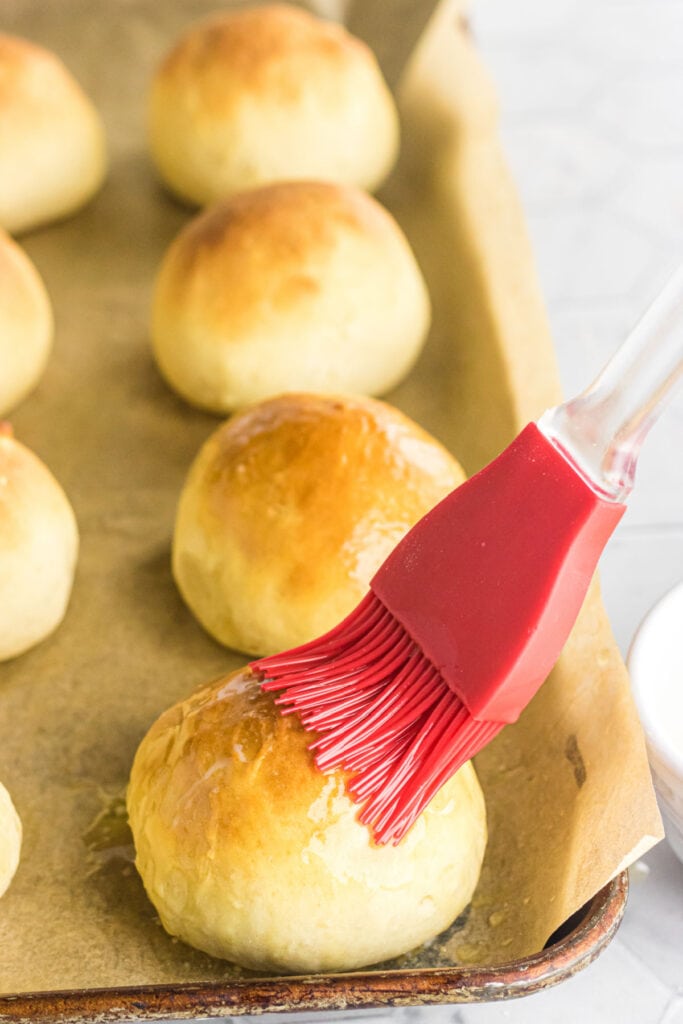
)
(568, 791)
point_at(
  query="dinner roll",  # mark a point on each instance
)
(10, 839)
(52, 157)
(290, 508)
(25, 324)
(301, 286)
(38, 548)
(271, 93)
(250, 853)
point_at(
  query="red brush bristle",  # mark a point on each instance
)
(381, 712)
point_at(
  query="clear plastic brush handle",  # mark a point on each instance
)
(601, 431)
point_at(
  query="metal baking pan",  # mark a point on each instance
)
(573, 948)
(77, 939)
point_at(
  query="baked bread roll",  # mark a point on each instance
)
(38, 548)
(26, 325)
(53, 156)
(290, 508)
(250, 853)
(10, 840)
(301, 286)
(271, 93)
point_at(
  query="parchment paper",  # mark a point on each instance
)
(568, 789)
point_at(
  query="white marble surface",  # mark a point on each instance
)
(592, 106)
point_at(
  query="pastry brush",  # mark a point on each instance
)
(466, 617)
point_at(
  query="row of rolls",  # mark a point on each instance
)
(287, 302)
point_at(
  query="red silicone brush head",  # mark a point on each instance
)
(490, 582)
(463, 623)
(381, 712)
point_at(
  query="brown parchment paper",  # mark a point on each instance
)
(568, 791)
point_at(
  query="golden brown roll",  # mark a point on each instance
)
(250, 853)
(26, 326)
(38, 548)
(271, 93)
(53, 154)
(302, 286)
(289, 509)
(10, 839)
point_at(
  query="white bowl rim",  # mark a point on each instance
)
(639, 669)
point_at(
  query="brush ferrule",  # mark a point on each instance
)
(490, 582)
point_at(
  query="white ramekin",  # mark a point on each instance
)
(655, 664)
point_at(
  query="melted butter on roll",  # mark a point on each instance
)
(290, 508)
(251, 854)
